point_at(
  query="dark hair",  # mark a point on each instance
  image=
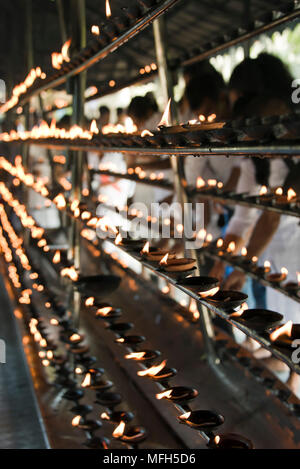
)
(140, 107)
(276, 77)
(208, 85)
(246, 79)
(198, 68)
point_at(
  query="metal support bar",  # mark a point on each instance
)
(159, 28)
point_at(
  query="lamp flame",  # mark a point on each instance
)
(291, 195)
(286, 329)
(154, 370)
(166, 394)
(164, 260)
(119, 431)
(104, 311)
(108, 9)
(87, 381)
(118, 240)
(263, 190)
(56, 257)
(185, 416)
(76, 420)
(200, 182)
(146, 248)
(165, 121)
(135, 355)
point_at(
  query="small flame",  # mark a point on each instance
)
(231, 247)
(208, 293)
(185, 416)
(286, 329)
(220, 243)
(87, 381)
(284, 271)
(90, 301)
(166, 394)
(118, 240)
(135, 355)
(147, 133)
(298, 278)
(241, 311)
(164, 260)
(60, 201)
(95, 30)
(56, 257)
(267, 265)
(244, 251)
(200, 182)
(108, 9)
(165, 121)
(279, 191)
(146, 248)
(291, 195)
(94, 128)
(65, 50)
(217, 439)
(75, 337)
(76, 420)
(104, 311)
(263, 190)
(211, 118)
(154, 370)
(119, 431)
(254, 259)
(105, 416)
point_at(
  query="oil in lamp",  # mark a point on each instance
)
(177, 265)
(204, 420)
(155, 254)
(178, 394)
(129, 243)
(230, 441)
(293, 287)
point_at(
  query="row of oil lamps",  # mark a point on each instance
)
(178, 395)
(153, 256)
(167, 261)
(267, 198)
(204, 421)
(73, 342)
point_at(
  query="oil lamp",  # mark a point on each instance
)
(130, 340)
(97, 443)
(120, 328)
(82, 409)
(227, 300)
(258, 319)
(117, 416)
(143, 355)
(278, 278)
(155, 254)
(204, 420)
(106, 311)
(73, 395)
(204, 286)
(230, 441)
(177, 265)
(109, 399)
(132, 436)
(178, 394)
(285, 335)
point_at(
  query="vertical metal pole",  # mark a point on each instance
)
(78, 84)
(159, 28)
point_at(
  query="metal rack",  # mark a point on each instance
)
(232, 145)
